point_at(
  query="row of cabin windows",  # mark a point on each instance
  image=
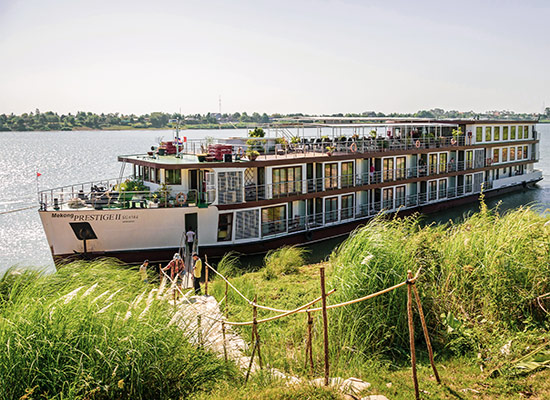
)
(510, 154)
(493, 133)
(150, 174)
(274, 219)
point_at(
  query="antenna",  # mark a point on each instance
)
(220, 104)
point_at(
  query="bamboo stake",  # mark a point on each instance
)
(224, 342)
(325, 323)
(310, 341)
(426, 336)
(250, 364)
(411, 334)
(199, 330)
(206, 276)
(255, 330)
(226, 305)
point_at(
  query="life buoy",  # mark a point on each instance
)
(181, 198)
(417, 144)
(353, 147)
(453, 141)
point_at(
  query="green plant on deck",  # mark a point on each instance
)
(162, 193)
(283, 261)
(132, 185)
(256, 133)
(457, 132)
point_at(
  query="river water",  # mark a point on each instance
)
(64, 158)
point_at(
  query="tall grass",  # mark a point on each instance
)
(94, 331)
(483, 275)
(283, 261)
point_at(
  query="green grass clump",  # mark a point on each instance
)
(479, 277)
(283, 261)
(95, 331)
(229, 266)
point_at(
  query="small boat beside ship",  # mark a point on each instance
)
(306, 180)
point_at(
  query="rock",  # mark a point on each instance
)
(354, 386)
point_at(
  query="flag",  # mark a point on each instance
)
(38, 174)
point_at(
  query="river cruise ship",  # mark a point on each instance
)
(306, 180)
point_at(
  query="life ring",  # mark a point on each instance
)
(353, 147)
(181, 198)
(453, 141)
(417, 144)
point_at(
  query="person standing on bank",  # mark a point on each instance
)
(197, 269)
(190, 239)
(143, 271)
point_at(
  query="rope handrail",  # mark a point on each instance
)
(296, 310)
(372, 295)
(250, 302)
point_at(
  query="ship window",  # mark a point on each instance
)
(388, 169)
(495, 155)
(273, 220)
(520, 132)
(525, 151)
(520, 154)
(468, 184)
(433, 164)
(331, 209)
(497, 133)
(399, 196)
(246, 224)
(146, 174)
(347, 174)
(526, 132)
(512, 153)
(442, 188)
(513, 133)
(387, 199)
(433, 190)
(230, 187)
(331, 176)
(225, 224)
(504, 133)
(505, 154)
(488, 133)
(173, 176)
(287, 181)
(442, 163)
(469, 159)
(347, 206)
(400, 168)
(479, 134)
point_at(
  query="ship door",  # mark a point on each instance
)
(318, 177)
(309, 177)
(191, 222)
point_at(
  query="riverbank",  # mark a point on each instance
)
(480, 287)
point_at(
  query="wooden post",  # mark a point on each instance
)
(206, 275)
(255, 335)
(250, 364)
(411, 334)
(426, 336)
(199, 330)
(226, 305)
(224, 343)
(325, 324)
(309, 347)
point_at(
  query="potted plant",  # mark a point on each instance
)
(373, 134)
(252, 154)
(202, 157)
(329, 150)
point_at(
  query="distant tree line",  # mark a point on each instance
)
(52, 121)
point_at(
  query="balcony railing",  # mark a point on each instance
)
(317, 220)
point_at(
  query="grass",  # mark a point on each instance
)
(86, 333)
(478, 288)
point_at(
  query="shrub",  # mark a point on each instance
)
(283, 261)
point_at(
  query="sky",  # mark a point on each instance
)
(315, 57)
